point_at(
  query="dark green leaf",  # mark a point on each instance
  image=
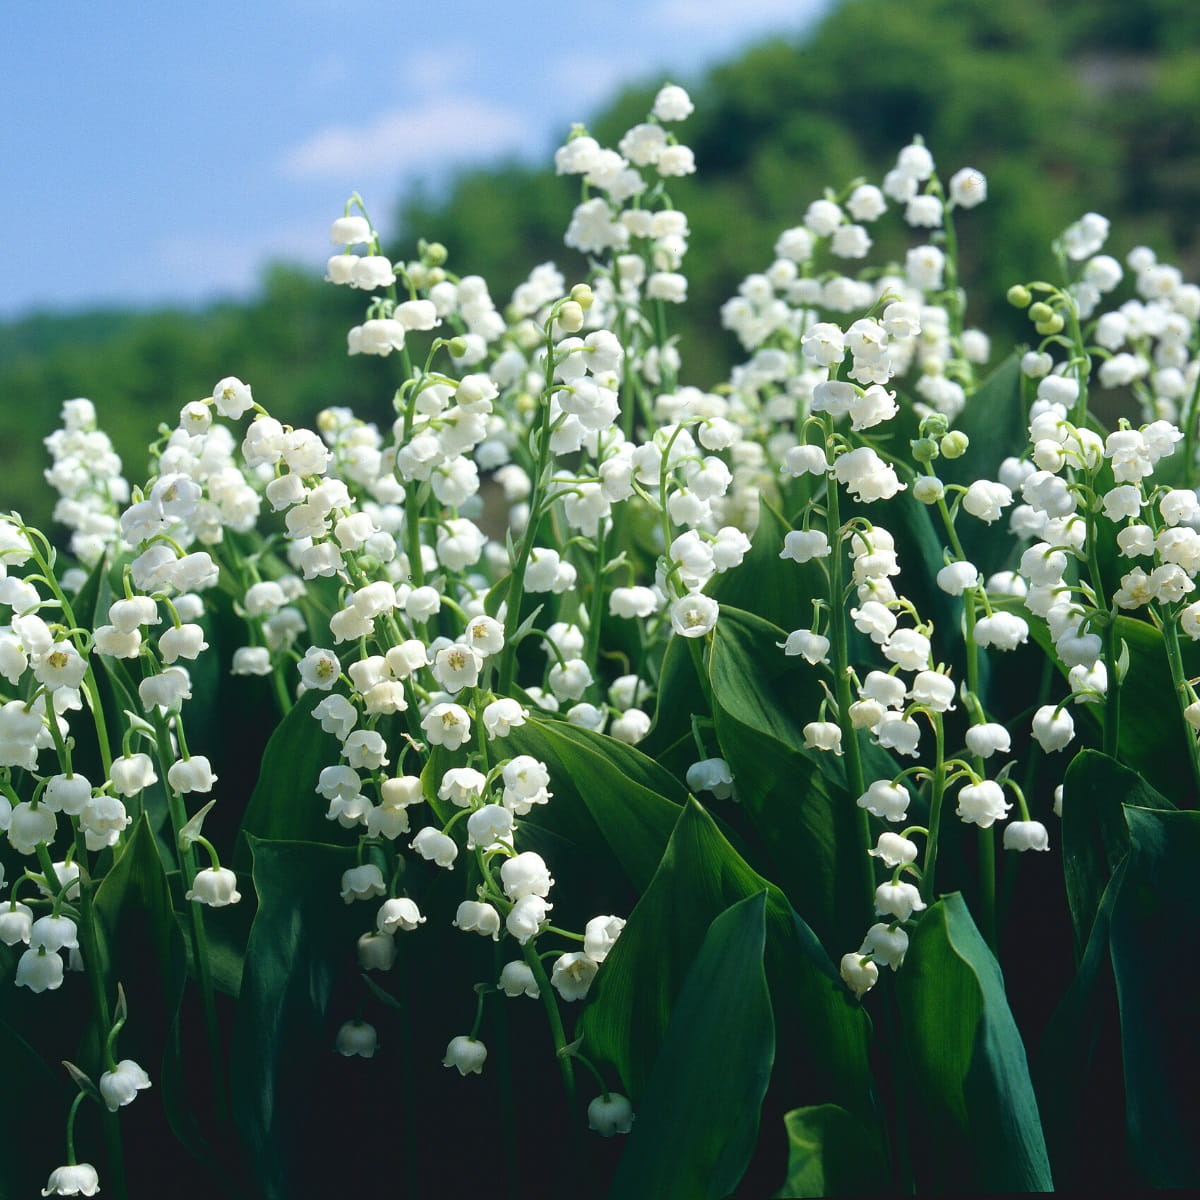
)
(634, 996)
(697, 1121)
(301, 936)
(776, 589)
(605, 792)
(994, 419)
(285, 805)
(974, 1119)
(831, 1152)
(1095, 832)
(1158, 979)
(793, 797)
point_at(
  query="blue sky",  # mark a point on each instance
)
(164, 152)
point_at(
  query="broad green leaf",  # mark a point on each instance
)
(797, 800)
(700, 876)
(285, 805)
(31, 1144)
(1153, 735)
(605, 792)
(972, 1111)
(994, 419)
(145, 951)
(1136, 955)
(776, 589)
(1095, 832)
(680, 697)
(697, 1120)
(1158, 979)
(1084, 1134)
(141, 944)
(831, 1152)
(301, 937)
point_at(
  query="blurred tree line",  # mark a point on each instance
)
(1083, 104)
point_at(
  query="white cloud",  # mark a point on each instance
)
(586, 80)
(220, 262)
(733, 16)
(439, 129)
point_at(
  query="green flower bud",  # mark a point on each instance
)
(1040, 311)
(582, 295)
(934, 425)
(1019, 296)
(457, 346)
(955, 443)
(924, 450)
(433, 254)
(1053, 325)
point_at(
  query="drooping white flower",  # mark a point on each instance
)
(362, 883)
(467, 1054)
(356, 1037)
(899, 900)
(859, 974)
(885, 945)
(1053, 728)
(711, 775)
(572, 975)
(75, 1179)
(481, 918)
(121, 1085)
(1026, 835)
(435, 846)
(894, 850)
(214, 886)
(982, 804)
(517, 979)
(610, 1114)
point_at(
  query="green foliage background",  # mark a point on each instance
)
(1083, 104)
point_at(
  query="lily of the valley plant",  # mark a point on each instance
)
(747, 733)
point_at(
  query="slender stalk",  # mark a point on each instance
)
(114, 1152)
(200, 955)
(936, 796)
(516, 580)
(550, 1004)
(839, 647)
(1183, 692)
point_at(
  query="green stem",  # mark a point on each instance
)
(199, 937)
(839, 646)
(937, 795)
(550, 1004)
(516, 580)
(1189, 435)
(1183, 692)
(90, 949)
(90, 690)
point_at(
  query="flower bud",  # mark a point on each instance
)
(954, 444)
